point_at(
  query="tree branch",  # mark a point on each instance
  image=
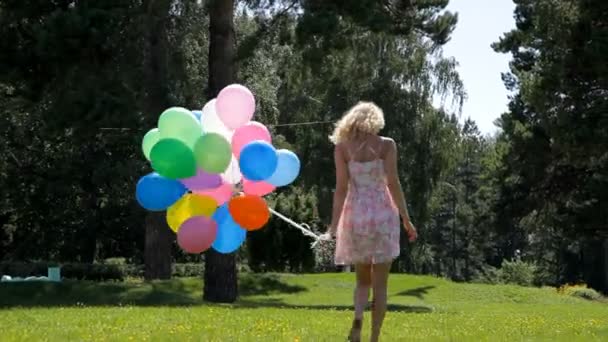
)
(251, 42)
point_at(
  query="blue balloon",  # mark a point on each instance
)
(156, 193)
(230, 236)
(198, 114)
(258, 160)
(288, 169)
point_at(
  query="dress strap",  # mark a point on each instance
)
(360, 148)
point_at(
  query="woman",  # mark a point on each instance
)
(367, 204)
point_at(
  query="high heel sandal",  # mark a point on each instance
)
(355, 331)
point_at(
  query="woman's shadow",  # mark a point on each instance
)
(280, 304)
(274, 286)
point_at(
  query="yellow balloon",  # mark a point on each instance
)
(188, 206)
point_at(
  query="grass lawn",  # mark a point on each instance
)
(292, 308)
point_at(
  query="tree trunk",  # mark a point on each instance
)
(454, 238)
(6, 236)
(605, 268)
(158, 247)
(221, 284)
(222, 46)
(159, 238)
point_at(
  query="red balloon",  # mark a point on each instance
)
(249, 211)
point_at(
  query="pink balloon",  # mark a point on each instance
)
(221, 194)
(257, 188)
(197, 234)
(235, 106)
(249, 132)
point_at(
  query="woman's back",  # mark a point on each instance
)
(367, 204)
(366, 165)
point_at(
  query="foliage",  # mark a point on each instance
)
(95, 272)
(291, 251)
(324, 256)
(555, 181)
(579, 290)
(71, 69)
(517, 272)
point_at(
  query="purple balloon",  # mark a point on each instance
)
(202, 181)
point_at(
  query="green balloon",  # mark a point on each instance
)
(213, 153)
(179, 123)
(172, 159)
(150, 139)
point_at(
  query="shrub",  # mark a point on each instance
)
(517, 272)
(279, 247)
(580, 291)
(188, 270)
(324, 256)
(489, 275)
(115, 261)
(79, 271)
(114, 269)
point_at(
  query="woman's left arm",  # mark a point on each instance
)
(342, 179)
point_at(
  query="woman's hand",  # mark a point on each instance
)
(411, 230)
(330, 233)
(325, 237)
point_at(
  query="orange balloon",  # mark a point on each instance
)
(249, 211)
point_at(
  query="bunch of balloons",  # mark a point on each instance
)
(211, 171)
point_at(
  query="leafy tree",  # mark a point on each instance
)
(555, 129)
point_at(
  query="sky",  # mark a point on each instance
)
(480, 23)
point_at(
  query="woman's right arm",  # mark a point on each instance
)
(394, 185)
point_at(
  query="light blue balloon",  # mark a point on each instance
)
(198, 114)
(230, 236)
(156, 193)
(288, 169)
(258, 160)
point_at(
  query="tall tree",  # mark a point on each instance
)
(55, 59)
(159, 239)
(72, 72)
(556, 128)
(220, 269)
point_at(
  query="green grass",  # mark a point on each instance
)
(293, 308)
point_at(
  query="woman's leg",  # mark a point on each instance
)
(380, 282)
(361, 297)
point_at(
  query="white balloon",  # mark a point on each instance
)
(232, 175)
(212, 123)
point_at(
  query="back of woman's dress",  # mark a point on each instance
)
(369, 228)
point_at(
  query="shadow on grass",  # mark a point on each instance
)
(280, 304)
(85, 293)
(175, 292)
(266, 284)
(418, 292)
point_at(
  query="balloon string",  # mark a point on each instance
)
(308, 123)
(303, 227)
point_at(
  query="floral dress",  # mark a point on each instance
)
(369, 227)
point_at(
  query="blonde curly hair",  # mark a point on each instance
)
(362, 119)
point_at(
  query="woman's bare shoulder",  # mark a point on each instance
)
(340, 146)
(388, 142)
